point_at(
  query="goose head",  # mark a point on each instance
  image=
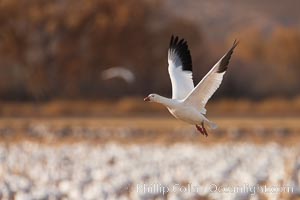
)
(152, 98)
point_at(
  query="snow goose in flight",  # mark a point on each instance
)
(118, 72)
(188, 102)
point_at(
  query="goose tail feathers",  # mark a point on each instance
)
(212, 125)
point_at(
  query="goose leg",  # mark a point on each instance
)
(204, 130)
(200, 129)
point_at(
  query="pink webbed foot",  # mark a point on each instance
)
(200, 129)
(204, 130)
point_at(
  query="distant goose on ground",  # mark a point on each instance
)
(118, 72)
(188, 102)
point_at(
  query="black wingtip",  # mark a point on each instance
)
(180, 47)
(225, 60)
(235, 43)
(171, 41)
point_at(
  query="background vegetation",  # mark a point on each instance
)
(53, 50)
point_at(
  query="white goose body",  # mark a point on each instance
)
(188, 102)
(187, 114)
(182, 111)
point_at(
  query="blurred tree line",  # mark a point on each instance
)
(58, 49)
(270, 60)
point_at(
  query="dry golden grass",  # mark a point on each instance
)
(136, 106)
(131, 120)
(164, 130)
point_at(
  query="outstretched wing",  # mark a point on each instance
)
(180, 68)
(210, 83)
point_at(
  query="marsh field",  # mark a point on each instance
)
(149, 157)
(71, 131)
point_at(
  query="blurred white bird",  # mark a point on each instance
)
(118, 72)
(188, 102)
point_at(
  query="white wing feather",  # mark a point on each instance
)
(180, 68)
(210, 83)
(182, 81)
